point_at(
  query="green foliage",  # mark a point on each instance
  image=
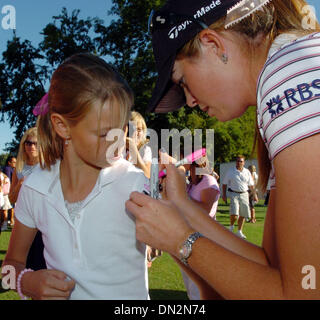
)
(230, 138)
(66, 36)
(3, 158)
(235, 137)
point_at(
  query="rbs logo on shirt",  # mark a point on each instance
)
(293, 97)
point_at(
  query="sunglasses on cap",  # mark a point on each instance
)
(29, 143)
(164, 20)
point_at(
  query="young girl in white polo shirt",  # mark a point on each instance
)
(76, 197)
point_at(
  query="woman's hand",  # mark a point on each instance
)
(47, 285)
(158, 223)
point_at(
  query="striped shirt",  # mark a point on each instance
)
(288, 93)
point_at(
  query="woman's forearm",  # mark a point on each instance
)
(204, 206)
(200, 221)
(206, 291)
(232, 275)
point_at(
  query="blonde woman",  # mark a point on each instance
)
(139, 153)
(27, 159)
(225, 56)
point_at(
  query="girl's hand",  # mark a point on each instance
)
(47, 285)
(158, 223)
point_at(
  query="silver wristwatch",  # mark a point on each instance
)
(186, 248)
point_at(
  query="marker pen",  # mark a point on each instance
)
(189, 159)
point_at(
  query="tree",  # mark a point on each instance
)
(66, 36)
(22, 81)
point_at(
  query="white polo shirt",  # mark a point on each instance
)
(99, 251)
(238, 180)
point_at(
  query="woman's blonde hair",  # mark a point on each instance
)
(137, 117)
(78, 84)
(22, 157)
(277, 17)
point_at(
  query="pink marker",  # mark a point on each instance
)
(189, 159)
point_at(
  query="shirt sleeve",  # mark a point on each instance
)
(288, 95)
(23, 207)
(209, 182)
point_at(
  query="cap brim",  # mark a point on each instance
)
(167, 96)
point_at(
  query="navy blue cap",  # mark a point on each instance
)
(176, 23)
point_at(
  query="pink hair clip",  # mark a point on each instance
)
(42, 107)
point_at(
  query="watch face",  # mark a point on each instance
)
(185, 251)
(186, 248)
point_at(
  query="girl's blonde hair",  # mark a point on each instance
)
(78, 84)
(137, 117)
(22, 157)
(277, 17)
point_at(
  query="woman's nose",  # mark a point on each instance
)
(190, 99)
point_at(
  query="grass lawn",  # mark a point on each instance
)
(165, 280)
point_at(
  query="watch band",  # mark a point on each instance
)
(186, 248)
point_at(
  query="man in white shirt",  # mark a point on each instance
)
(238, 180)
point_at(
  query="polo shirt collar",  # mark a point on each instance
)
(47, 183)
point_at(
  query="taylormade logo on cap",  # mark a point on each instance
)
(174, 32)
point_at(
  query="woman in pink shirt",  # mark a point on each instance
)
(204, 190)
(203, 187)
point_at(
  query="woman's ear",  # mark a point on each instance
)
(213, 41)
(60, 125)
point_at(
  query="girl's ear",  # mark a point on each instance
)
(213, 40)
(60, 125)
